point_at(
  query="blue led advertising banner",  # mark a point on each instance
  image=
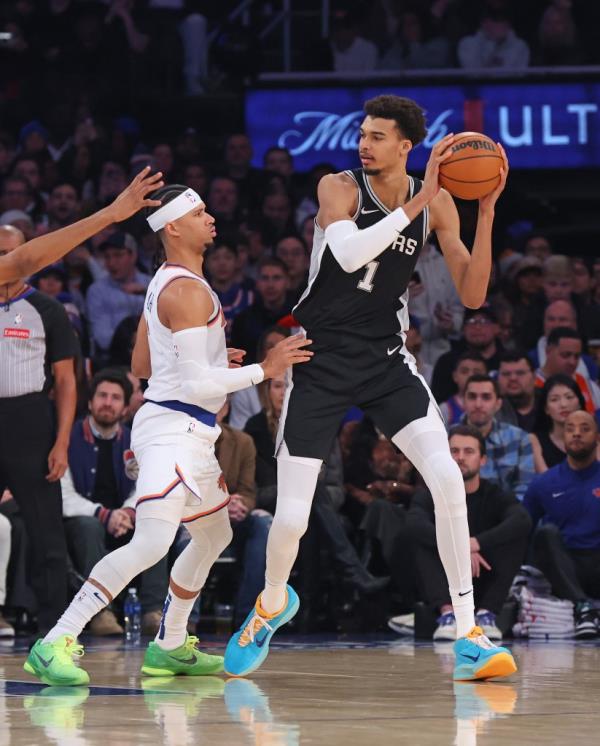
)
(541, 125)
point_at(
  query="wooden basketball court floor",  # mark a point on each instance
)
(368, 692)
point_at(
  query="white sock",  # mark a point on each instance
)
(173, 626)
(86, 604)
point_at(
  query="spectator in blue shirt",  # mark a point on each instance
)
(121, 294)
(509, 451)
(567, 544)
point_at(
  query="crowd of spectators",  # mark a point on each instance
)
(517, 379)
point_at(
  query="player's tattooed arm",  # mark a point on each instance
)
(140, 357)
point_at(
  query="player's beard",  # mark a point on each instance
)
(371, 171)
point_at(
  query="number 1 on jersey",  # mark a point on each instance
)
(366, 283)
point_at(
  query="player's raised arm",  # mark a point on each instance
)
(353, 248)
(470, 271)
(39, 252)
(185, 307)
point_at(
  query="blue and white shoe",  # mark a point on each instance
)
(446, 629)
(487, 621)
(248, 647)
(478, 658)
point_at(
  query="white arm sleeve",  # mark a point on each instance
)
(199, 380)
(353, 248)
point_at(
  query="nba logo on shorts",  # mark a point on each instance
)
(191, 427)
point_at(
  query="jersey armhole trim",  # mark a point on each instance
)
(196, 278)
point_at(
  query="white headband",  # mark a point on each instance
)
(176, 208)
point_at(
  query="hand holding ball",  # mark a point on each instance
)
(473, 169)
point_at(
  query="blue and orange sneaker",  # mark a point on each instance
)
(248, 647)
(478, 658)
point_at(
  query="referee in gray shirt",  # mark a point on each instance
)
(37, 351)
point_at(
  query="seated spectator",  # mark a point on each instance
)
(15, 194)
(271, 303)
(567, 543)
(236, 455)
(499, 529)
(413, 48)
(467, 364)
(539, 246)
(277, 215)
(435, 303)
(246, 402)
(98, 496)
(557, 278)
(563, 353)
(221, 263)
(223, 202)
(557, 42)
(63, 206)
(561, 313)
(526, 298)
(516, 382)
(559, 397)
(237, 165)
(481, 334)
(121, 294)
(494, 45)
(293, 253)
(509, 455)
(351, 52)
(588, 309)
(195, 176)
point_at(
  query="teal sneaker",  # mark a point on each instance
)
(186, 660)
(248, 647)
(478, 658)
(53, 664)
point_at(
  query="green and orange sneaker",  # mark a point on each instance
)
(53, 662)
(186, 660)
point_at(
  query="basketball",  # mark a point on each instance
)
(473, 169)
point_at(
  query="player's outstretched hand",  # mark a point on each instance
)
(439, 153)
(487, 203)
(134, 197)
(289, 351)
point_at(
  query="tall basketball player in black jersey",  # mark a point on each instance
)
(370, 228)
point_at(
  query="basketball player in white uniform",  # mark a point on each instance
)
(180, 348)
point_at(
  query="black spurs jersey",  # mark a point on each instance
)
(371, 302)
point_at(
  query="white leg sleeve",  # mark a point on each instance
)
(296, 482)
(210, 536)
(425, 443)
(5, 532)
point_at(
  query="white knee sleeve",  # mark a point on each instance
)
(209, 538)
(150, 542)
(296, 482)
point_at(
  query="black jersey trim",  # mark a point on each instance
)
(375, 198)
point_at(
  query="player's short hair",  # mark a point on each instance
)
(112, 375)
(481, 378)
(562, 332)
(515, 356)
(468, 431)
(408, 115)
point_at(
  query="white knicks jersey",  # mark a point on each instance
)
(165, 383)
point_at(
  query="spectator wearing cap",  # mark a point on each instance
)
(37, 353)
(525, 295)
(481, 333)
(435, 303)
(467, 364)
(98, 494)
(563, 354)
(566, 501)
(109, 300)
(509, 451)
(561, 313)
(221, 262)
(499, 528)
(33, 138)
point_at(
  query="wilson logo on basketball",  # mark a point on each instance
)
(18, 333)
(475, 144)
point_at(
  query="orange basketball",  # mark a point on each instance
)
(473, 169)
